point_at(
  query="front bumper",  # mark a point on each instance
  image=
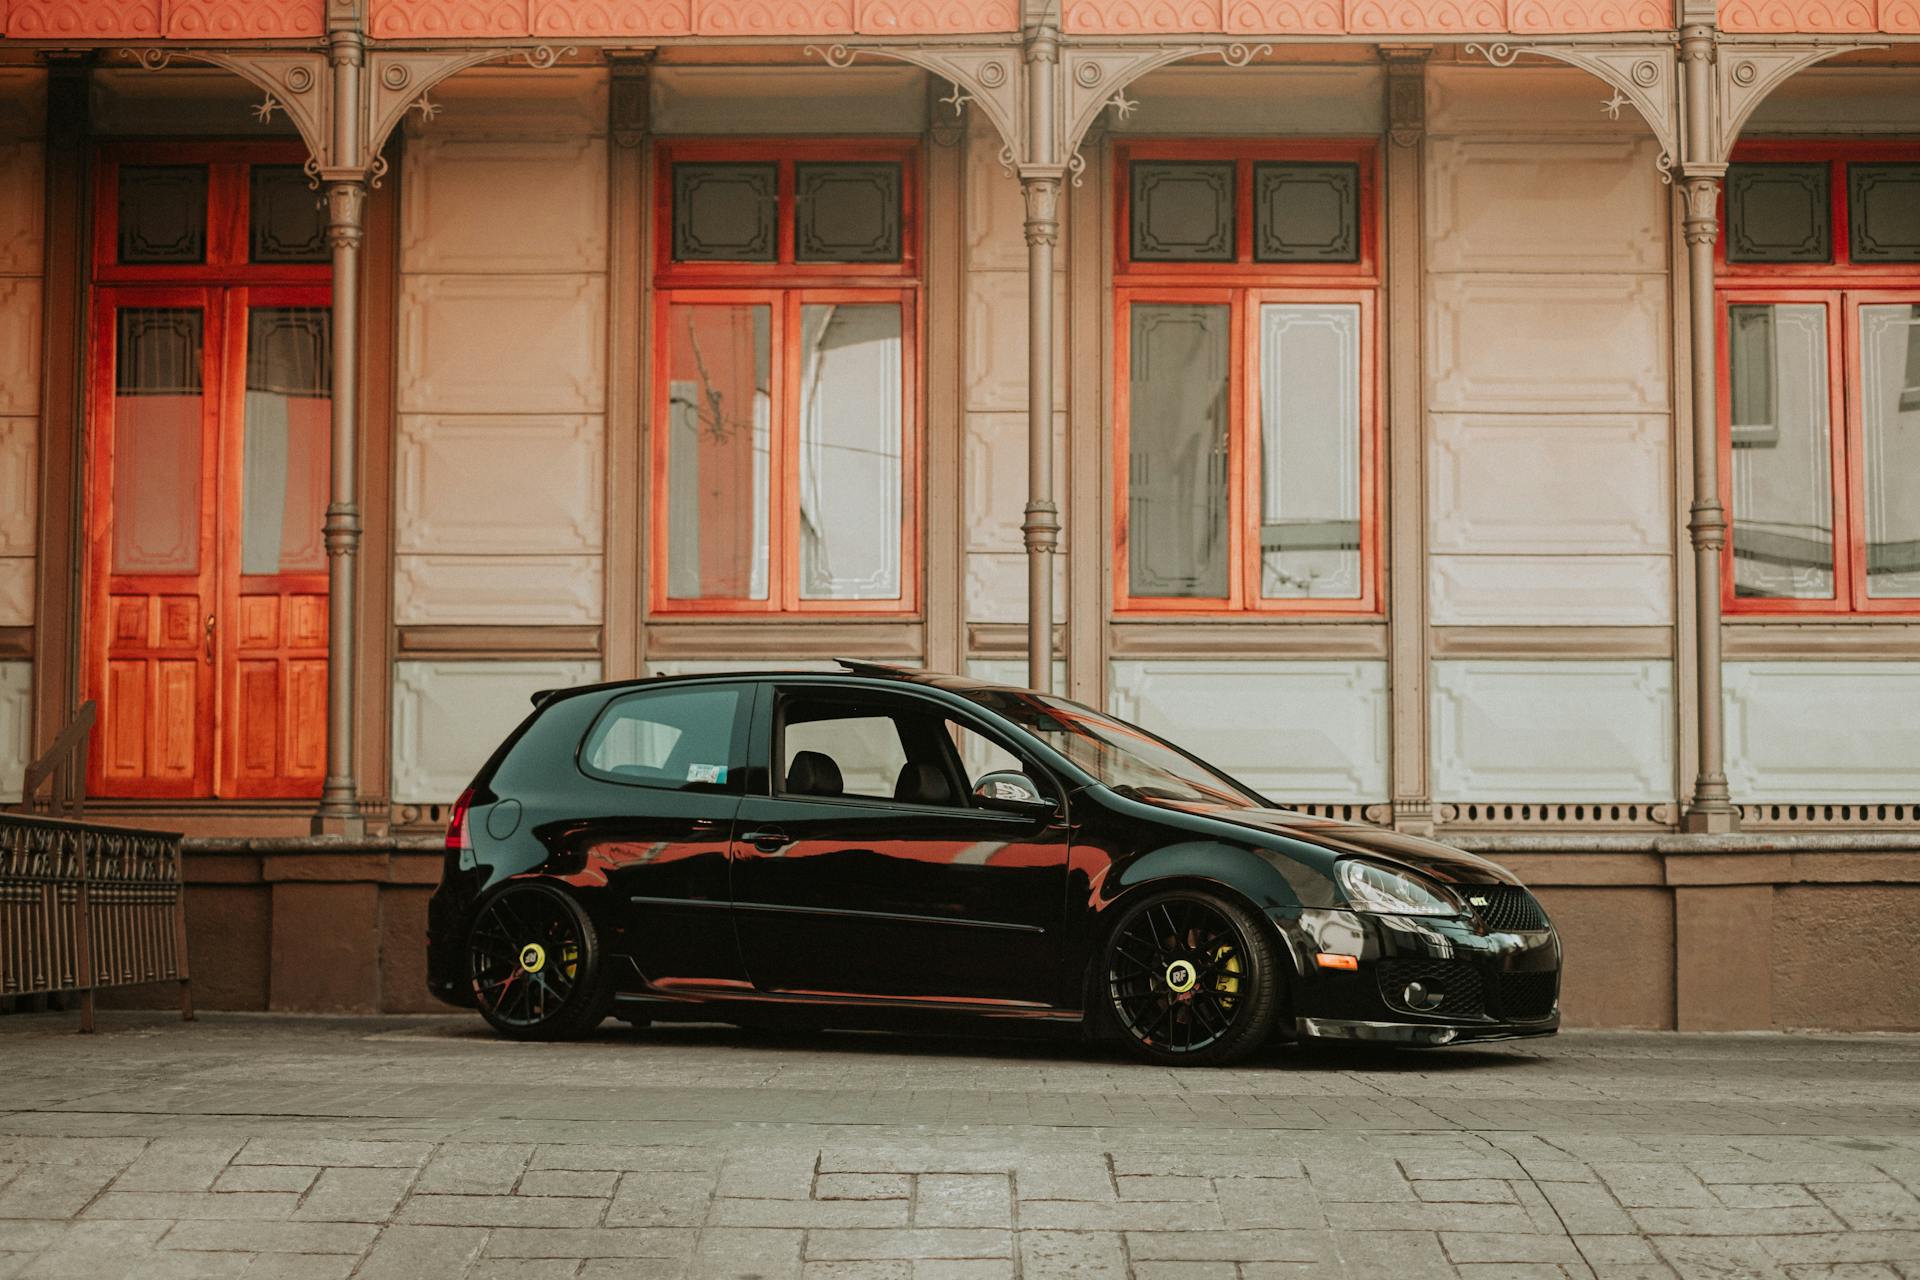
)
(1493, 985)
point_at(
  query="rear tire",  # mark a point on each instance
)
(1188, 979)
(534, 959)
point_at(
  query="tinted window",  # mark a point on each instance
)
(865, 746)
(674, 738)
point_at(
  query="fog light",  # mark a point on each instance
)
(1420, 996)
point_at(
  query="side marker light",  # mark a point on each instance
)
(1333, 960)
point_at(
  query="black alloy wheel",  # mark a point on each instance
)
(1189, 980)
(534, 958)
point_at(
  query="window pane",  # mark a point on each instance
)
(1778, 213)
(850, 441)
(1177, 451)
(724, 212)
(1182, 211)
(1782, 461)
(157, 406)
(1890, 465)
(1310, 451)
(286, 217)
(289, 409)
(1306, 212)
(846, 212)
(163, 213)
(676, 738)
(864, 750)
(1884, 217)
(719, 415)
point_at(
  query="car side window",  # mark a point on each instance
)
(981, 755)
(678, 739)
(840, 751)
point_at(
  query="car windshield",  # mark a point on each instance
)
(1130, 760)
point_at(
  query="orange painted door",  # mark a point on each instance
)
(206, 631)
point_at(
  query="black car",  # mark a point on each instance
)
(878, 843)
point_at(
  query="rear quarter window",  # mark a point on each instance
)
(674, 739)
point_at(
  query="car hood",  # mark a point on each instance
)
(1429, 857)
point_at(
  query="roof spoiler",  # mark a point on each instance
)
(861, 668)
(541, 695)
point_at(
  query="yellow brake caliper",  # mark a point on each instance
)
(1227, 981)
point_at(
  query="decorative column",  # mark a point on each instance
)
(1040, 179)
(1702, 168)
(346, 193)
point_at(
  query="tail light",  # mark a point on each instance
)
(459, 840)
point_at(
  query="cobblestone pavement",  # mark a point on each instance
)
(422, 1148)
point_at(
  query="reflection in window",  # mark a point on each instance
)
(289, 408)
(866, 748)
(1177, 451)
(1310, 451)
(158, 404)
(1782, 501)
(718, 441)
(1890, 463)
(850, 441)
(671, 738)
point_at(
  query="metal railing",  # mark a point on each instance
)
(85, 906)
(65, 762)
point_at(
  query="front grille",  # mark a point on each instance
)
(1508, 909)
(1464, 993)
(1526, 997)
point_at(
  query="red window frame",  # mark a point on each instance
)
(1841, 287)
(785, 285)
(1244, 285)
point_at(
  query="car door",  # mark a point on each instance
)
(664, 770)
(867, 869)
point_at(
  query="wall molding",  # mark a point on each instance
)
(497, 642)
(1259, 638)
(1864, 640)
(1552, 642)
(784, 640)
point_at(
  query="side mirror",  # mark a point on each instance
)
(1011, 792)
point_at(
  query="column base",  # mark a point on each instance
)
(1414, 817)
(1715, 819)
(350, 825)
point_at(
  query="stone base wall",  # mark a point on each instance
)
(1736, 933)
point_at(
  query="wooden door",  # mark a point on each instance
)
(207, 593)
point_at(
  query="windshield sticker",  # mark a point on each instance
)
(706, 773)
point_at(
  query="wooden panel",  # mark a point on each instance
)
(19, 486)
(1545, 205)
(764, 100)
(19, 345)
(258, 709)
(497, 483)
(490, 205)
(306, 621)
(16, 718)
(448, 716)
(305, 723)
(529, 590)
(502, 344)
(123, 722)
(1514, 590)
(16, 591)
(1756, 639)
(22, 206)
(519, 641)
(258, 626)
(1552, 642)
(1560, 731)
(1198, 100)
(1548, 344)
(1524, 100)
(1165, 638)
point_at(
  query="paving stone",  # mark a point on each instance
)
(1204, 1164)
(63, 1150)
(962, 1200)
(1493, 1246)
(1240, 1246)
(1066, 1177)
(1151, 1186)
(423, 1253)
(1786, 1171)
(1072, 1255)
(1733, 1222)
(271, 1237)
(333, 1151)
(607, 1242)
(55, 1190)
(895, 1269)
(1405, 1255)
(1870, 1206)
(779, 1175)
(1464, 1191)
(300, 1266)
(862, 1186)
(355, 1195)
(70, 1251)
(502, 1211)
(538, 1269)
(629, 1157)
(1761, 1195)
(1346, 1215)
(963, 1269)
(1843, 1271)
(474, 1168)
(650, 1199)
(180, 1164)
(1587, 1208)
(568, 1182)
(249, 1206)
(725, 1252)
(807, 1213)
(1644, 1185)
(1856, 1246)
(1187, 1270)
(1118, 1215)
(260, 1177)
(1375, 1180)
(909, 1243)
(1701, 1256)
(630, 1269)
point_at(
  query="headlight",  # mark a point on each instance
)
(1370, 887)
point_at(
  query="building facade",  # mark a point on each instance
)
(1496, 420)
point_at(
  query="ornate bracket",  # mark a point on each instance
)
(1746, 71)
(983, 76)
(1642, 74)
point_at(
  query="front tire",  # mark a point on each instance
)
(1189, 979)
(534, 960)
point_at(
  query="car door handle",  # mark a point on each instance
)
(768, 841)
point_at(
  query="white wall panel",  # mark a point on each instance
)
(863, 99)
(449, 716)
(16, 591)
(1550, 591)
(1553, 731)
(22, 201)
(1545, 205)
(496, 590)
(1586, 485)
(19, 344)
(1547, 344)
(994, 345)
(487, 206)
(16, 718)
(502, 344)
(1196, 100)
(499, 484)
(19, 485)
(995, 212)
(1297, 731)
(1012, 671)
(1521, 100)
(1825, 101)
(1838, 731)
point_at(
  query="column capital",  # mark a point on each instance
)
(1700, 188)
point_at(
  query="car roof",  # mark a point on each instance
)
(853, 671)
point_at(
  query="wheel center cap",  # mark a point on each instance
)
(533, 957)
(1181, 976)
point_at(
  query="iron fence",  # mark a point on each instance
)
(85, 906)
